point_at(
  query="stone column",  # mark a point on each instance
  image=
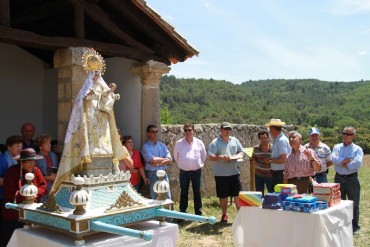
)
(71, 77)
(150, 74)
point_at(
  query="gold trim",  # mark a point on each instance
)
(123, 202)
(51, 205)
(93, 61)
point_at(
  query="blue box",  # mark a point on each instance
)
(303, 207)
(321, 205)
(307, 199)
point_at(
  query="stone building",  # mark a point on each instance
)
(41, 43)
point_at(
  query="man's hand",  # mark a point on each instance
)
(345, 162)
(224, 157)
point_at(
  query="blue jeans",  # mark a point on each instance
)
(321, 177)
(260, 184)
(185, 178)
(152, 176)
(350, 188)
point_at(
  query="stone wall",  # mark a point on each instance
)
(246, 134)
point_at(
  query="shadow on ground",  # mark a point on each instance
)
(204, 228)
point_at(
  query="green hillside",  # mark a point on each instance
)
(305, 103)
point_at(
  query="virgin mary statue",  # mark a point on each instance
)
(92, 133)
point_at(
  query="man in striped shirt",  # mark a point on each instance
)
(301, 163)
(261, 163)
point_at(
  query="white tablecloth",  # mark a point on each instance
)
(164, 236)
(332, 227)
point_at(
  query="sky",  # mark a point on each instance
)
(242, 40)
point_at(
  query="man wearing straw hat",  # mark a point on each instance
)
(280, 151)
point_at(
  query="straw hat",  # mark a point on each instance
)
(275, 122)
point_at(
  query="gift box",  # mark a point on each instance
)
(272, 201)
(321, 205)
(285, 188)
(250, 198)
(289, 191)
(326, 188)
(331, 199)
(302, 198)
(284, 196)
(302, 207)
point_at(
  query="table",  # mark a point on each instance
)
(164, 236)
(255, 226)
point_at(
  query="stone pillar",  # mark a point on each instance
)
(150, 74)
(71, 77)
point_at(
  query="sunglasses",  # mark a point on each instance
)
(188, 130)
(347, 134)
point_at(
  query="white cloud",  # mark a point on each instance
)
(362, 52)
(207, 5)
(350, 7)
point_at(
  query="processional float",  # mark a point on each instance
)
(98, 198)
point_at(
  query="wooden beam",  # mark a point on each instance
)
(4, 12)
(152, 30)
(100, 17)
(29, 39)
(79, 21)
(47, 9)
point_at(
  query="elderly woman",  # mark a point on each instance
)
(49, 164)
(8, 159)
(300, 164)
(13, 182)
(137, 167)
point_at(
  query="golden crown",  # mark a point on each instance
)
(93, 61)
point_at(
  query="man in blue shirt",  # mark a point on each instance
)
(347, 159)
(280, 151)
(157, 157)
(225, 150)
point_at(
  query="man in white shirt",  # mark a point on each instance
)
(190, 154)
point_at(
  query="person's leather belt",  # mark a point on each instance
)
(348, 175)
(298, 178)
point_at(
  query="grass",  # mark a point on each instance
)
(220, 235)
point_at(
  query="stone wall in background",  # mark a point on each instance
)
(246, 134)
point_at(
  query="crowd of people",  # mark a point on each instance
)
(285, 160)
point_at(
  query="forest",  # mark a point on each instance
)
(303, 103)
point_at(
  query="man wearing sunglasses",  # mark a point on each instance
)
(347, 159)
(157, 157)
(190, 154)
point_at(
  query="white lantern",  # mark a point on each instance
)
(161, 187)
(29, 191)
(79, 197)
